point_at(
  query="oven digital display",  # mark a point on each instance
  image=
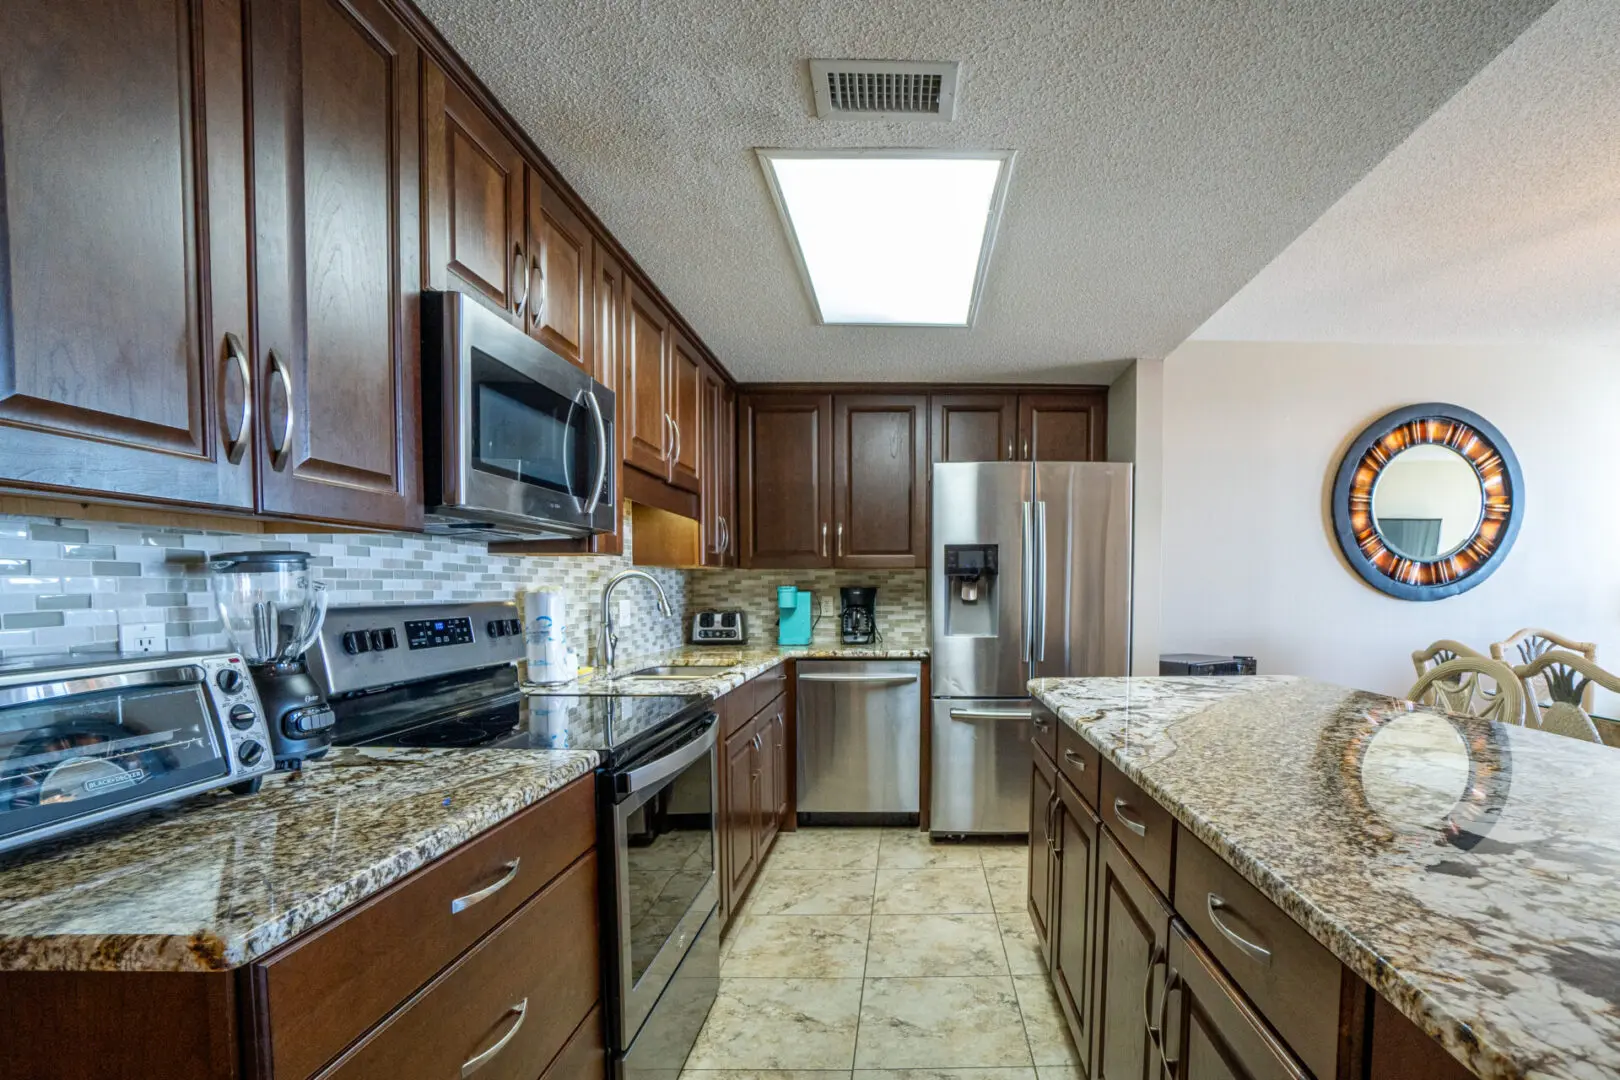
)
(434, 633)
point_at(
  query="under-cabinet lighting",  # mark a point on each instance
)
(890, 237)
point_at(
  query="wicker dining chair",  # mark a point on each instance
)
(1570, 679)
(1455, 687)
(1523, 647)
(1441, 651)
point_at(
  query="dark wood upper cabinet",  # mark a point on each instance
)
(644, 398)
(785, 480)
(607, 297)
(125, 340)
(974, 427)
(880, 481)
(686, 413)
(1210, 1031)
(476, 241)
(336, 167)
(559, 309)
(1069, 426)
(1132, 946)
(719, 452)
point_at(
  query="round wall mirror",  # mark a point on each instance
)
(1427, 501)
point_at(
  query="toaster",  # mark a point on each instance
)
(719, 628)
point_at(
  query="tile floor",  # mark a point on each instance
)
(875, 954)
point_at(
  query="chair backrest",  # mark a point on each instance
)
(1438, 653)
(1570, 678)
(1454, 687)
(1522, 647)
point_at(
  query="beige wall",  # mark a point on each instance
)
(1135, 434)
(1253, 433)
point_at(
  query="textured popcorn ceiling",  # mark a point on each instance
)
(1497, 222)
(1167, 150)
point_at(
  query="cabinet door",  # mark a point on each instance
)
(766, 764)
(1063, 427)
(1132, 942)
(1211, 1032)
(1075, 864)
(785, 483)
(124, 325)
(559, 276)
(337, 165)
(880, 481)
(712, 504)
(475, 199)
(739, 814)
(607, 297)
(773, 750)
(726, 465)
(1042, 805)
(686, 413)
(974, 427)
(644, 400)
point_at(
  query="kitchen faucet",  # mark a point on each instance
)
(609, 641)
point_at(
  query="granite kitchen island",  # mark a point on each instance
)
(1468, 871)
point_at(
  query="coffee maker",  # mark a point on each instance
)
(858, 619)
(273, 609)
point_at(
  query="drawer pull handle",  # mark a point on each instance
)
(1156, 958)
(462, 903)
(1075, 759)
(1252, 950)
(1168, 1066)
(1040, 725)
(478, 1061)
(1130, 821)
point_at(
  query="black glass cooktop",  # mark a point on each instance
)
(488, 709)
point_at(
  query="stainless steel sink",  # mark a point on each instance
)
(679, 671)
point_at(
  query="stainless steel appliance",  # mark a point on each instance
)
(450, 682)
(857, 621)
(273, 610)
(719, 628)
(1205, 664)
(1030, 576)
(85, 741)
(517, 442)
(859, 729)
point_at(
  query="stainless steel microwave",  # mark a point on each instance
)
(517, 443)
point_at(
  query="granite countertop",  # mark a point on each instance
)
(1469, 871)
(219, 880)
(742, 663)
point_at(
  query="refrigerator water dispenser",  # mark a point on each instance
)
(970, 572)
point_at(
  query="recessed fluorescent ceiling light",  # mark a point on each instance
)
(890, 237)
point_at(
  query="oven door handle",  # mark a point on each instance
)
(655, 772)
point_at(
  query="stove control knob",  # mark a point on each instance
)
(495, 628)
(356, 641)
(242, 717)
(390, 640)
(249, 753)
(376, 639)
(229, 680)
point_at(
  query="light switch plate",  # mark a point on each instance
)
(142, 638)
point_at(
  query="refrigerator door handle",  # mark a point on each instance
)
(1028, 581)
(1038, 647)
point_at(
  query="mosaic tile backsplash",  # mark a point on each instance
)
(902, 599)
(65, 586)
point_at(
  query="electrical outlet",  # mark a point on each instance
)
(622, 614)
(142, 638)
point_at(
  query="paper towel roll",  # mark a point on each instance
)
(545, 637)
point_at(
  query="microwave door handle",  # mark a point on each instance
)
(602, 452)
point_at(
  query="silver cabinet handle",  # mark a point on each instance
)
(990, 714)
(1214, 904)
(823, 539)
(895, 678)
(1042, 724)
(237, 356)
(537, 306)
(669, 438)
(478, 1061)
(279, 373)
(520, 272)
(604, 452)
(676, 424)
(1038, 646)
(1051, 822)
(1026, 449)
(840, 539)
(1135, 824)
(1168, 1066)
(1009, 448)
(1027, 535)
(1156, 958)
(462, 903)
(725, 536)
(1075, 759)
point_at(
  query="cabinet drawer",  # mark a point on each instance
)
(1079, 761)
(1044, 724)
(585, 1055)
(326, 988)
(1293, 980)
(1143, 828)
(473, 1008)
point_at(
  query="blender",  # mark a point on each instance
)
(273, 609)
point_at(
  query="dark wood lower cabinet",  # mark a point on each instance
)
(1042, 802)
(1210, 1031)
(1075, 836)
(1132, 949)
(756, 785)
(739, 834)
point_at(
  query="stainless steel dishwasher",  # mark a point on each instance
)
(859, 732)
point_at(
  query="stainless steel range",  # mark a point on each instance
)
(443, 676)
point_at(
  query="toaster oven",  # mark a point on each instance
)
(85, 741)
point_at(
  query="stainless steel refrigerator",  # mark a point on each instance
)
(1029, 576)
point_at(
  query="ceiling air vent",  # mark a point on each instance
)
(884, 89)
